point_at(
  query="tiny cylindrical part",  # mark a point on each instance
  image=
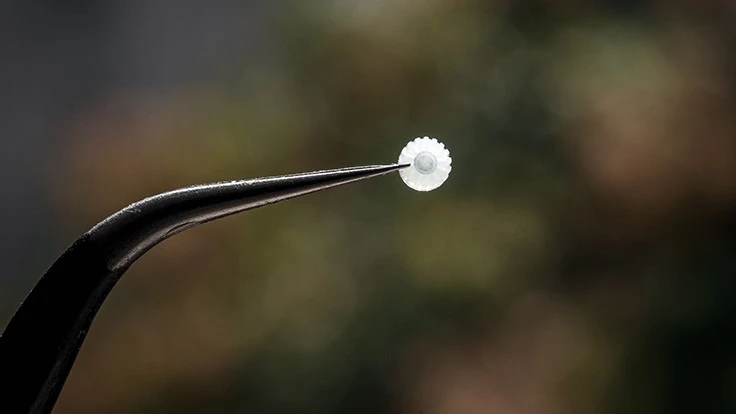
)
(425, 162)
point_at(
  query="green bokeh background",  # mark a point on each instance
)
(581, 258)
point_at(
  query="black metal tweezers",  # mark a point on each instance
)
(41, 341)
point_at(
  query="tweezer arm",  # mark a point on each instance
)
(41, 341)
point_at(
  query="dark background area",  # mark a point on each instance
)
(581, 258)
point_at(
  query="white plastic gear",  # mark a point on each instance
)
(430, 164)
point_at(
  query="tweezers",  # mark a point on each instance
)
(41, 341)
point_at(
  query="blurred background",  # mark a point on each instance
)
(581, 258)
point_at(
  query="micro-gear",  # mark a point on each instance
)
(430, 164)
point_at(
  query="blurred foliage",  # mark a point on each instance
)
(581, 257)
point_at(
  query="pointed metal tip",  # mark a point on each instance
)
(289, 186)
(369, 168)
(386, 168)
(341, 175)
(331, 178)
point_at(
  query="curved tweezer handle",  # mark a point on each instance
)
(42, 340)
